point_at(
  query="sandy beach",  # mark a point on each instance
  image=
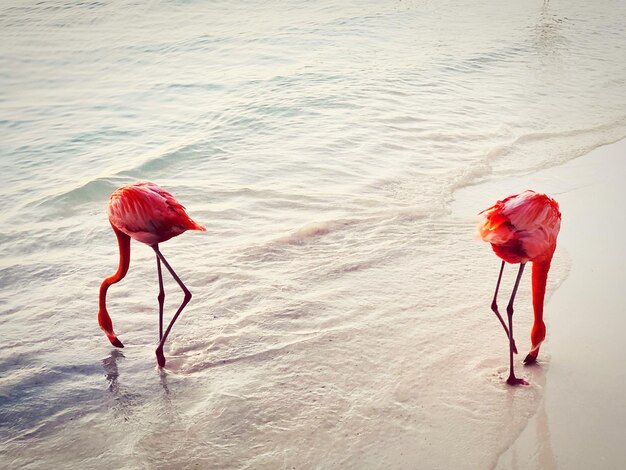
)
(583, 410)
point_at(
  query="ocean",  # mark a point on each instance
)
(340, 316)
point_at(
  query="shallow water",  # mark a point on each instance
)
(340, 316)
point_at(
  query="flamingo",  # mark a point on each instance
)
(151, 215)
(522, 228)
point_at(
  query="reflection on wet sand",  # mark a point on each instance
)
(545, 456)
(124, 401)
(111, 371)
(534, 440)
(548, 39)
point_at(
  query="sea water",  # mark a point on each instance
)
(340, 316)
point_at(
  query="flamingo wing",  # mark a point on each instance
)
(148, 213)
(528, 222)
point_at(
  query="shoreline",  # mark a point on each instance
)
(582, 410)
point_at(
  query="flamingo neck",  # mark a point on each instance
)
(539, 281)
(104, 319)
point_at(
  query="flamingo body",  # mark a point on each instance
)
(149, 214)
(522, 228)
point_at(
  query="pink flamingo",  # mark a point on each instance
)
(150, 215)
(523, 228)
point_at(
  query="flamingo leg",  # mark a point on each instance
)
(186, 299)
(512, 380)
(161, 297)
(494, 307)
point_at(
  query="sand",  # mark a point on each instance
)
(581, 417)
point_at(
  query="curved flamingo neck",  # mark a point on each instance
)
(104, 319)
(123, 242)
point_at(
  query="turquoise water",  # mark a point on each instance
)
(340, 313)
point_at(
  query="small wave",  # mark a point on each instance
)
(163, 157)
(99, 189)
(556, 148)
(190, 86)
(192, 366)
(198, 362)
(366, 223)
(94, 190)
(309, 231)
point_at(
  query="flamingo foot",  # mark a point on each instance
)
(512, 380)
(160, 357)
(530, 359)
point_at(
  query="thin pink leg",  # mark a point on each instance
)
(512, 380)
(494, 307)
(187, 298)
(160, 298)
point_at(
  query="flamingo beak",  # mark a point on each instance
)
(115, 342)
